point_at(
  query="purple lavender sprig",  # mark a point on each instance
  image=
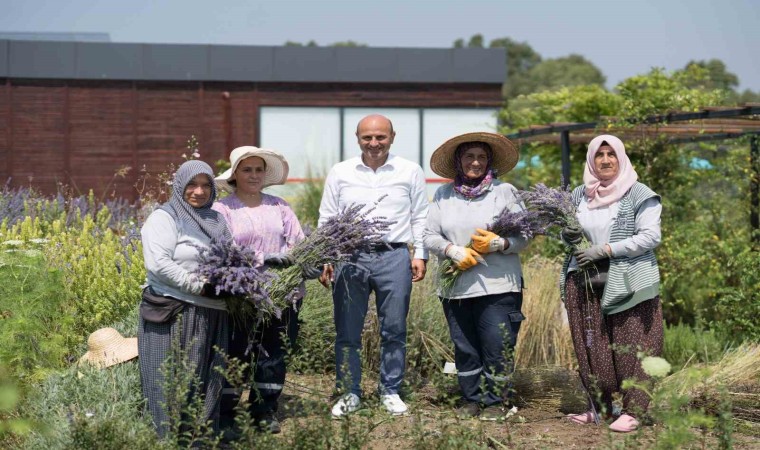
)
(553, 207)
(234, 270)
(340, 237)
(512, 223)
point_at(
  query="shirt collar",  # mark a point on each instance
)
(388, 162)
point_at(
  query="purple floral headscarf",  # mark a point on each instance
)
(471, 188)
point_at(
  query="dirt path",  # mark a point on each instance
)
(431, 424)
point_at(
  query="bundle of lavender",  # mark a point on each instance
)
(341, 236)
(507, 223)
(238, 279)
(553, 208)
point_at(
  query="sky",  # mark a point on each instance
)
(621, 37)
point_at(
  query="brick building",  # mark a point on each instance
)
(76, 112)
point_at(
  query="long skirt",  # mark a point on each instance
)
(607, 345)
(191, 366)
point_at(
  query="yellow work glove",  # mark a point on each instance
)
(464, 257)
(487, 242)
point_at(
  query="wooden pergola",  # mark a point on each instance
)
(677, 127)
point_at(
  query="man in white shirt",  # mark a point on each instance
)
(386, 270)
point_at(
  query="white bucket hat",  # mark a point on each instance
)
(107, 347)
(276, 171)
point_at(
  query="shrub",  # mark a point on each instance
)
(84, 404)
(684, 343)
(36, 328)
(738, 306)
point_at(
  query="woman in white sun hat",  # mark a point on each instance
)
(268, 225)
(483, 305)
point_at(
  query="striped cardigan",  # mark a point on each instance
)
(630, 280)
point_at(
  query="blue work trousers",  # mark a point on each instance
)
(484, 330)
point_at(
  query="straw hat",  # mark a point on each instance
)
(276, 172)
(505, 153)
(106, 347)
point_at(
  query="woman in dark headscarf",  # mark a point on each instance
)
(177, 306)
(483, 306)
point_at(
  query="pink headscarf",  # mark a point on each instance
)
(602, 193)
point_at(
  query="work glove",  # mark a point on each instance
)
(278, 260)
(209, 291)
(311, 273)
(586, 258)
(487, 241)
(463, 257)
(572, 235)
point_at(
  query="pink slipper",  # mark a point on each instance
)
(625, 424)
(583, 418)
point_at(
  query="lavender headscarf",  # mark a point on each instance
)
(471, 188)
(203, 219)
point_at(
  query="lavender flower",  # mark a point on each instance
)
(340, 237)
(554, 207)
(525, 223)
(233, 270)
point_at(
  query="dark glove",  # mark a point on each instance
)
(278, 260)
(572, 235)
(311, 273)
(209, 291)
(586, 258)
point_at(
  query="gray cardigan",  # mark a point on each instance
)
(452, 219)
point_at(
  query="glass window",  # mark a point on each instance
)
(308, 137)
(440, 124)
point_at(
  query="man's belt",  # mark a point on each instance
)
(386, 246)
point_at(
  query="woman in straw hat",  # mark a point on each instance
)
(177, 306)
(483, 305)
(611, 288)
(268, 224)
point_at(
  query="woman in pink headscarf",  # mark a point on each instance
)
(611, 288)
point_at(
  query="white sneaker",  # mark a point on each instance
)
(394, 404)
(346, 405)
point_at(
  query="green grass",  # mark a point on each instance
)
(34, 329)
(684, 343)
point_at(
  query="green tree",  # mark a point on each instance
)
(549, 74)
(705, 209)
(311, 43)
(348, 43)
(715, 76)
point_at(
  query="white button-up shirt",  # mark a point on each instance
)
(406, 203)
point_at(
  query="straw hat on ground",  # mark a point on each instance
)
(276, 171)
(106, 347)
(505, 153)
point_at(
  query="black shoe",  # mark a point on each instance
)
(468, 411)
(267, 422)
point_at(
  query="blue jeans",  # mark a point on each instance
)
(484, 330)
(389, 274)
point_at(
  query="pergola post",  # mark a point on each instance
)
(565, 140)
(754, 190)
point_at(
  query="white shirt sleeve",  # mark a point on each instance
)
(159, 239)
(329, 205)
(419, 213)
(646, 232)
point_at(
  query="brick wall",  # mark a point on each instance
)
(81, 133)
